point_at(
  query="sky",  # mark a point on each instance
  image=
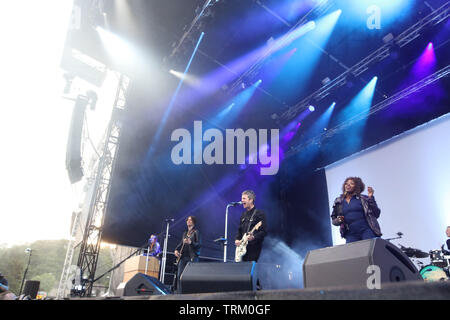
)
(37, 198)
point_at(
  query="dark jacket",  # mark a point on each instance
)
(190, 250)
(371, 212)
(246, 224)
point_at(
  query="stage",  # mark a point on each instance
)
(281, 107)
(415, 290)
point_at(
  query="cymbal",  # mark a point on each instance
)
(414, 253)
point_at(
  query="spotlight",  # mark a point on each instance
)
(326, 80)
(388, 38)
(311, 108)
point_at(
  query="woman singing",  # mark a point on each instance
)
(356, 214)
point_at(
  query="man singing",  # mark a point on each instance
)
(249, 219)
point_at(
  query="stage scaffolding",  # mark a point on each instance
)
(96, 204)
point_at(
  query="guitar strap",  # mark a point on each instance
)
(250, 221)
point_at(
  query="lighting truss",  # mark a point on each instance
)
(383, 52)
(90, 245)
(444, 72)
(189, 32)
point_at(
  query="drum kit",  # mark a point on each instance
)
(439, 267)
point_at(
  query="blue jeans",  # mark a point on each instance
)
(362, 235)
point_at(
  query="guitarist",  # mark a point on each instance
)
(249, 219)
(188, 250)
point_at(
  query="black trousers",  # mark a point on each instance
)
(253, 253)
(181, 265)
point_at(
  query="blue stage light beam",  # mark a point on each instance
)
(322, 123)
(376, 14)
(174, 97)
(298, 70)
(359, 107)
(234, 106)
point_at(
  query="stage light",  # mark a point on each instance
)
(321, 123)
(234, 106)
(388, 38)
(360, 12)
(172, 101)
(423, 67)
(187, 78)
(297, 72)
(311, 108)
(120, 51)
(358, 107)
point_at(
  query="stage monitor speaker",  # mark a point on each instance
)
(31, 288)
(73, 152)
(202, 277)
(356, 263)
(144, 285)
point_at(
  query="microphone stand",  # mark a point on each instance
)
(132, 254)
(117, 265)
(146, 260)
(164, 258)
(25, 274)
(399, 234)
(225, 240)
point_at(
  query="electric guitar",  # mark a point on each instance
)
(241, 250)
(188, 235)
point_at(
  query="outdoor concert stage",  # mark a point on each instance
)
(415, 290)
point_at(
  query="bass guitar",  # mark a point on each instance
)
(241, 250)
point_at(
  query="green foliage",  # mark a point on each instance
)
(46, 264)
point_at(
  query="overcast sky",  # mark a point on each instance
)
(37, 199)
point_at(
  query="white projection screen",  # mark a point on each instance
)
(410, 174)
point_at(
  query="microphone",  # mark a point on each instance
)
(235, 203)
(172, 219)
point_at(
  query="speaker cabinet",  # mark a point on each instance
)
(144, 285)
(201, 277)
(73, 152)
(31, 288)
(354, 263)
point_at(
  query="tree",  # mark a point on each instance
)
(47, 281)
(46, 264)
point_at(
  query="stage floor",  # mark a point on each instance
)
(389, 291)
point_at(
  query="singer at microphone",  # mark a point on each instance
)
(249, 219)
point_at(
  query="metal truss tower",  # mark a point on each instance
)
(90, 245)
(65, 275)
